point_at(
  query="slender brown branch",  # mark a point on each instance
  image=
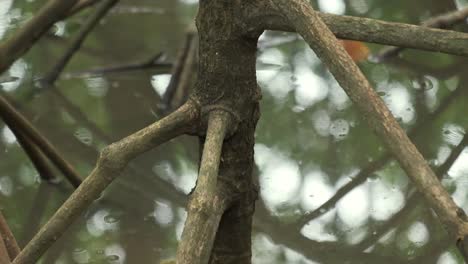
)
(315, 32)
(8, 238)
(371, 30)
(80, 5)
(18, 44)
(323, 251)
(90, 23)
(373, 166)
(152, 63)
(15, 119)
(182, 72)
(443, 21)
(4, 258)
(36, 156)
(36, 212)
(110, 164)
(207, 204)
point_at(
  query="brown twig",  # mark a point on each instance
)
(413, 199)
(152, 62)
(20, 42)
(370, 168)
(80, 5)
(36, 156)
(443, 21)
(182, 72)
(90, 23)
(8, 238)
(36, 212)
(15, 119)
(110, 164)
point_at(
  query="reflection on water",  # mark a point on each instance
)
(311, 143)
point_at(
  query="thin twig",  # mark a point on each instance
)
(182, 72)
(110, 164)
(36, 156)
(152, 62)
(4, 258)
(370, 168)
(80, 5)
(207, 204)
(316, 33)
(20, 42)
(413, 199)
(90, 23)
(15, 119)
(443, 21)
(319, 251)
(8, 238)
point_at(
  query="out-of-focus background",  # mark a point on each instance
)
(310, 141)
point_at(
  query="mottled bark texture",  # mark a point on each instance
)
(308, 23)
(226, 82)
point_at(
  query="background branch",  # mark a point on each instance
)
(90, 23)
(18, 44)
(442, 21)
(8, 238)
(373, 166)
(15, 119)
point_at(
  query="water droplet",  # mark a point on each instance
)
(78, 250)
(113, 257)
(110, 219)
(382, 93)
(84, 135)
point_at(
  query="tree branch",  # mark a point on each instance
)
(182, 71)
(14, 119)
(18, 44)
(80, 5)
(442, 21)
(374, 165)
(90, 23)
(152, 62)
(371, 30)
(413, 199)
(110, 164)
(208, 201)
(8, 238)
(315, 32)
(34, 153)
